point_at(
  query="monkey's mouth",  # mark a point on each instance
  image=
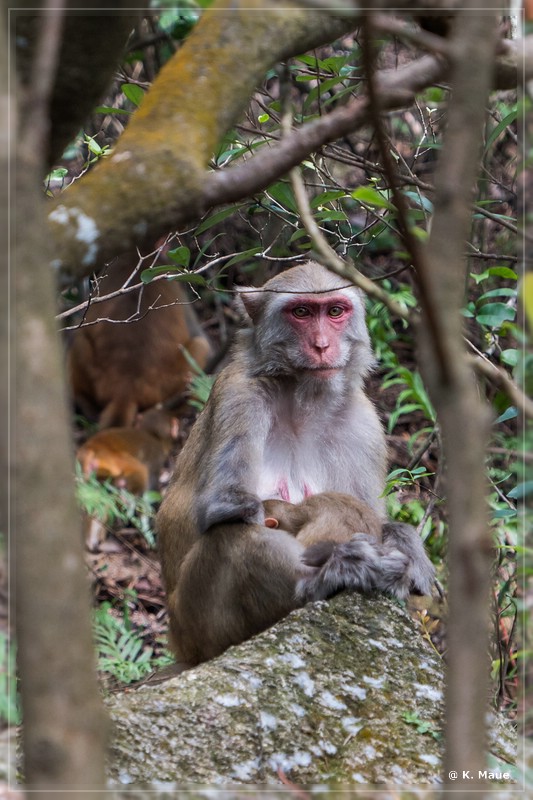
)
(323, 371)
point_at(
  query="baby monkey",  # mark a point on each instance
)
(325, 517)
(324, 523)
(131, 457)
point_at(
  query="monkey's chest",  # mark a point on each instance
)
(294, 467)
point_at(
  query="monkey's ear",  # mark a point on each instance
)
(250, 301)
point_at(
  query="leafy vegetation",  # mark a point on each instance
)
(122, 652)
(110, 504)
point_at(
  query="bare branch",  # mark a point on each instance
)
(499, 377)
(428, 41)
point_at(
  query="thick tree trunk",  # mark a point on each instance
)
(63, 721)
(464, 419)
(63, 732)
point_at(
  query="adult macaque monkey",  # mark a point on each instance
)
(287, 418)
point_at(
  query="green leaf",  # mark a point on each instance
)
(322, 88)
(180, 256)
(58, 173)
(133, 92)
(398, 412)
(510, 413)
(326, 197)
(420, 201)
(190, 277)
(299, 234)
(493, 315)
(93, 146)
(503, 291)
(253, 251)
(263, 118)
(147, 275)
(370, 197)
(503, 272)
(335, 63)
(328, 215)
(174, 274)
(434, 94)
(504, 513)
(500, 127)
(510, 357)
(214, 219)
(281, 192)
(419, 233)
(521, 491)
(310, 61)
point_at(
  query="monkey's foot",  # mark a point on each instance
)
(394, 575)
(418, 575)
(352, 565)
(421, 575)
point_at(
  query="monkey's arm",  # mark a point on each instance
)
(223, 456)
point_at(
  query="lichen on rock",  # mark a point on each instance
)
(338, 692)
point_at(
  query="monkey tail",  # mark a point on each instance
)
(352, 565)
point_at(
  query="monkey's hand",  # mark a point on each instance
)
(228, 505)
(355, 564)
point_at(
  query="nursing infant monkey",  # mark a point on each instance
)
(287, 420)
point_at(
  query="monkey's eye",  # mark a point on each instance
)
(300, 312)
(336, 311)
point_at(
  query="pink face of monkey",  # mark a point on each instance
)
(319, 324)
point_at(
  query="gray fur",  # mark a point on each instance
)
(353, 565)
(420, 574)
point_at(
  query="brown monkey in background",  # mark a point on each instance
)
(119, 369)
(287, 418)
(131, 457)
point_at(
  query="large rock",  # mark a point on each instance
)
(345, 691)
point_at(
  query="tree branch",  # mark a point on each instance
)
(397, 88)
(499, 377)
(161, 159)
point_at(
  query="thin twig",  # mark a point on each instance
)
(329, 258)
(424, 39)
(501, 379)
